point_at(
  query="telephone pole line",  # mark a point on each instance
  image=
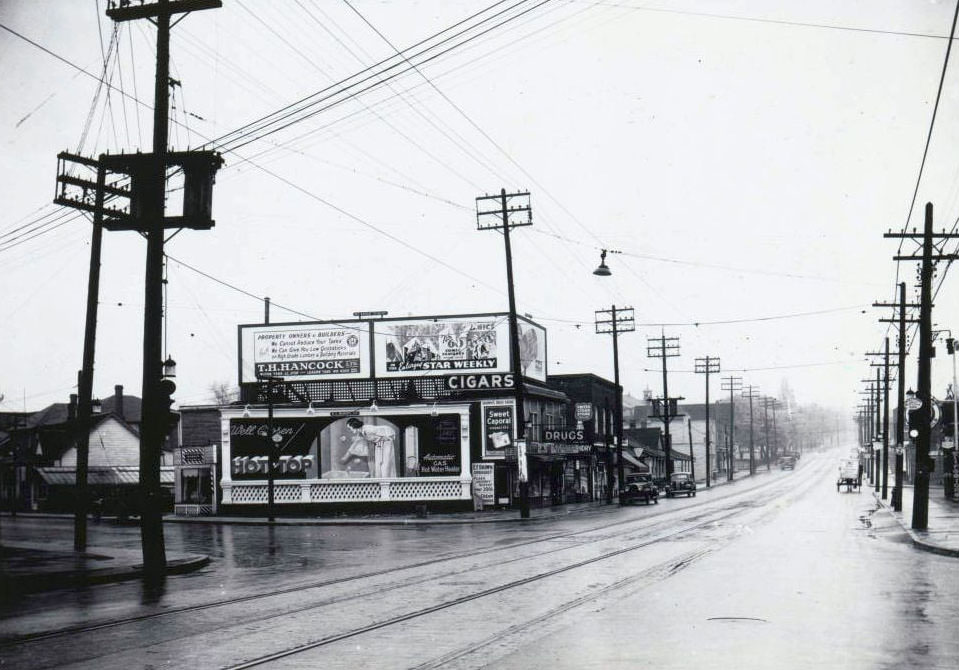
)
(901, 321)
(707, 365)
(147, 209)
(665, 347)
(752, 392)
(928, 253)
(732, 384)
(614, 322)
(514, 210)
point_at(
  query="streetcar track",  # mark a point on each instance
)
(673, 568)
(432, 609)
(653, 520)
(647, 576)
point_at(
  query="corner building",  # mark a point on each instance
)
(392, 414)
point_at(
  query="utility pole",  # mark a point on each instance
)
(707, 365)
(885, 415)
(514, 210)
(147, 209)
(752, 392)
(614, 322)
(732, 384)
(929, 253)
(665, 347)
(775, 406)
(901, 321)
(82, 202)
(766, 403)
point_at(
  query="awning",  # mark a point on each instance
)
(117, 475)
(635, 462)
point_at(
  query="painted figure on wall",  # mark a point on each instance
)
(380, 446)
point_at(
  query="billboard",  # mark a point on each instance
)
(442, 346)
(464, 347)
(305, 352)
(499, 428)
(532, 349)
(359, 446)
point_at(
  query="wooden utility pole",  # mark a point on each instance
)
(901, 321)
(920, 419)
(751, 391)
(614, 322)
(732, 384)
(665, 347)
(707, 365)
(514, 210)
(148, 211)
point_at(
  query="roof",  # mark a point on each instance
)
(59, 412)
(119, 475)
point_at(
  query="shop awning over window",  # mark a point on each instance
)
(117, 475)
(635, 462)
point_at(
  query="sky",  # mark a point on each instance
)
(740, 160)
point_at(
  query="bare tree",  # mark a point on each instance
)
(223, 393)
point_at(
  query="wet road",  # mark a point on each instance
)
(781, 572)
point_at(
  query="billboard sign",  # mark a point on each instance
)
(305, 352)
(442, 346)
(483, 482)
(532, 349)
(499, 428)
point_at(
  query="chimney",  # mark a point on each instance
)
(118, 401)
(72, 407)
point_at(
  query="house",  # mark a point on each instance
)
(39, 456)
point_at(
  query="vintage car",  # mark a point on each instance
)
(681, 483)
(787, 463)
(639, 486)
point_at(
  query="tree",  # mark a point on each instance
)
(223, 393)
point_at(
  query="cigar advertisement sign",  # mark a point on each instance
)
(499, 428)
(305, 352)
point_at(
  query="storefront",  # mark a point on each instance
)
(397, 454)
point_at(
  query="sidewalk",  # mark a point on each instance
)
(942, 529)
(28, 567)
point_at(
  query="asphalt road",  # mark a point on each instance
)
(779, 572)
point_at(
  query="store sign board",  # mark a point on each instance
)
(483, 482)
(442, 346)
(566, 436)
(481, 382)
(584, 411)
(305, 352)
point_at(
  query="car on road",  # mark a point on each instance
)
(681, 483)
(787, 463)
(640, 486)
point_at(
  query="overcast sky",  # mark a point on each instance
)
(745, 157)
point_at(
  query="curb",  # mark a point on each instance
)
(917, 541)
(33, 583)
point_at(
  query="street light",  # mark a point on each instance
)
(603, 269)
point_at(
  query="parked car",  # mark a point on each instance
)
(787, 463)
(640, 486)
(681, 483)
